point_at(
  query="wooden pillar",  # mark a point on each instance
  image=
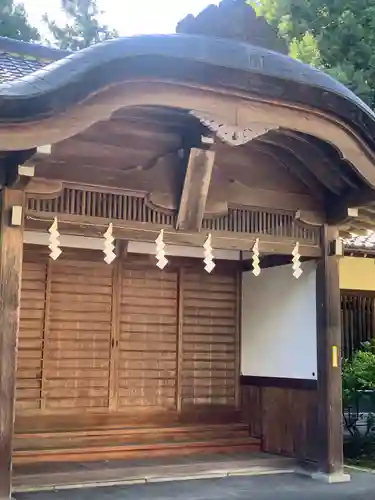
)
(11, 249)
(329, 438)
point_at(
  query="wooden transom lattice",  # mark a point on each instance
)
(133, 208)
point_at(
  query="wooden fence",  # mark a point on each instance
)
(357, 319)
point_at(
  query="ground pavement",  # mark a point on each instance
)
(279, 487)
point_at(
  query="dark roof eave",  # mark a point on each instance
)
(197, 59)
(31, 50)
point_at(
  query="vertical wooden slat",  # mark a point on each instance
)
(89, 203)
(360, 318)
(180, 326)
(84, 201)
(237, 396)
(352, 323)
(115, 327)
(47, 304)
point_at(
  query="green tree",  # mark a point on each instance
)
(83, 27)
(14, 23)
(335, 35)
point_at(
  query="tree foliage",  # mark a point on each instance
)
(14, 23)
(358, 385)
(83, 27)
(335, 35)
(358, 374)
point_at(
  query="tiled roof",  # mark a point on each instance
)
(366, 242)
(18, 59)
(14, 66)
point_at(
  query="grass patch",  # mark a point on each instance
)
(363, 463)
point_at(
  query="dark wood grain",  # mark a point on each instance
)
(329, 376)
(357, 319)
(283, 383)
(11, 248)
(195, 190)
(284, 418)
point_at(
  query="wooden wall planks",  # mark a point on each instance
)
(284, 418)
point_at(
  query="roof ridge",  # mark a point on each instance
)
(31, 50)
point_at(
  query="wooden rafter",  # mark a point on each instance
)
(291, 163)
(312, 158)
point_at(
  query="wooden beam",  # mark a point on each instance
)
(11, 248)
(338, 206)
(139, 231)
(195, 189)
(329, 406)
(273, 260)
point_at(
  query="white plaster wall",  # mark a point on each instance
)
(279, 323)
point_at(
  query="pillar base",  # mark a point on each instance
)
(334, 478)
(337, 477)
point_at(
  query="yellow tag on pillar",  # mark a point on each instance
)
(335, 356)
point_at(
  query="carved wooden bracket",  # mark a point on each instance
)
(233, 134)
(44, 189)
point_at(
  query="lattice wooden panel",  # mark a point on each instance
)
(123, 207)
(209, 338)
(147, 362)
(78, 339)
(112, 206)
(262, 222)
(30, 347)
(357, 320)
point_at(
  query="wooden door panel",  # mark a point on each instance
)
(147, 347)
(209, 369)
(30, 342)
(78, 341)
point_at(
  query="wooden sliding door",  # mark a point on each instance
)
(65, 333)
(31, 338)
(146, 365)
(126, 338)
(210, 348)
(77, 346)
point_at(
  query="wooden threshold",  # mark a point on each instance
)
(136, 451)
(132, 432)
(129, 443)
(140, 472)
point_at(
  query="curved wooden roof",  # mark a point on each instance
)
(318, 129)
(193, 59)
